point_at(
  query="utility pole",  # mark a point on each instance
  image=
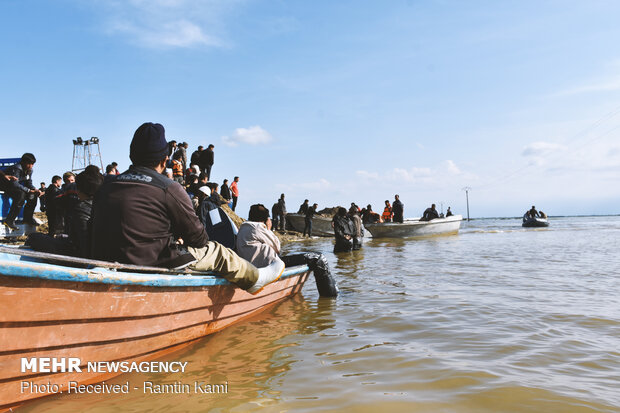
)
(467, 189)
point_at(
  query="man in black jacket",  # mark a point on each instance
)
(225, 191)
(308, 219)
(207, 159)
(54, 221)
(139, 217)
(195, 158)
(21, 190)
(282, 212)
(430, 213)
(397, 209)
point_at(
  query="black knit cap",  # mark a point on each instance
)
(148, 144)
(28, 158)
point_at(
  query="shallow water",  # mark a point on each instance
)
(497, 318)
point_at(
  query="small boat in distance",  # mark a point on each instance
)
(534, 222)
(413, 227)
(321, 226)
(63, 307)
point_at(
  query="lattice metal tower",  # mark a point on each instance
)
(86, 152)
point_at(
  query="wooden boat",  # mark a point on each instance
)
(530, 222)
(412, 228)
(109, 312)
(321, 226)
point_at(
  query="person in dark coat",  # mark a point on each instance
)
(281, 213)
(42, 199)
(343, 229)
(218, 226)
(448, 213)
(195, 158)
(52, 209)
(67, 199)
(303, 208)
(207, 159)
(308, 219)
(225, 191)
(397, 209)
(430, 213)
(358, 228)
(80, 226)
(275, 213)
(145, 218)
(21, 190)
(78, 242)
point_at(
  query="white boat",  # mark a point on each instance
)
(321, 226)
(413, 227)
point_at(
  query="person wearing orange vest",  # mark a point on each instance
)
(177, 168)
(387, 212)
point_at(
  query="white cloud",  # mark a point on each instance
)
(321, 184)
(166, 23)
(367, 175)
(254, 135)
(443, 173)
(540, 149)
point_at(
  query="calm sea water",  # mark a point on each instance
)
(496, 319)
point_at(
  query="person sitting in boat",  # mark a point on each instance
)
(542, 214)
(260, 246)
(398, 209)
(21, 190)
(430, 213)
(343, 230)
(533, 213)
(358, 228)
(303, 208)
(448, 213)
(387, 212)
(138, 217)
(369, 216)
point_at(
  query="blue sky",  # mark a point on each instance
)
(338, 102)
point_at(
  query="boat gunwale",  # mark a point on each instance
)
(416, 222)
(12, 267)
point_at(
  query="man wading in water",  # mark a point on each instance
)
(138, 217)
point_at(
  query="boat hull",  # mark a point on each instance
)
(414, 228)
(110, 317)
(321, 226)
(535, 222)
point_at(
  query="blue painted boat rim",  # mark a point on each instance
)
(12, 265)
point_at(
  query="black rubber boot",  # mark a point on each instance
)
(325, 283)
